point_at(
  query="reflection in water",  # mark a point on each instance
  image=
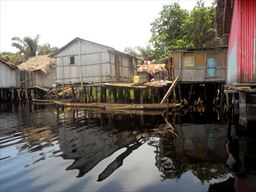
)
(28, 132)
(118, 162)
(239, 162)
(116, 152)
(199, 148)
(93, 140)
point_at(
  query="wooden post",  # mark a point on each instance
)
(104, 94)
(109, 92)
(96, 94)
(124, 99)
(136, 95)
(12, 97)
(114, 94)
(141, 96)
(167, 110)
(101, 94)
(158, 94)
(190, 93)
(76, 94)
(169, 90)
(127, 95)
(90, 94)
(84, 94)
(179, 92)
(26, 94)
(174, 95)
(153, 100)
(87, 94)
(73, 92)
(221, 96)
(18, 93)
(56, 92)
(145, 95)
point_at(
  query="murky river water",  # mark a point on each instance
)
(42, 149)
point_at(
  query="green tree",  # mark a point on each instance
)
(47, 49)
(178, 28)
(28, 47)
(141, 52)
(199, 26)
(13, 58)
(167, 29)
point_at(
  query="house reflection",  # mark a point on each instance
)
(240, 161)
(198, 148)
(92, 139)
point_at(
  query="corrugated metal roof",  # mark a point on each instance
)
(40, 62)
(83, 40)
(223, 16)
(198, 49)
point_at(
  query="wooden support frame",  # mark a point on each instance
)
(169, 90)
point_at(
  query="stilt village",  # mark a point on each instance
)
(90, 75)
(175, 113)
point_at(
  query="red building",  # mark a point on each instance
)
(236, 19)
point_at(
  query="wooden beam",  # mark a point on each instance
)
(169, 90)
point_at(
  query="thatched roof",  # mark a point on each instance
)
(40, 62)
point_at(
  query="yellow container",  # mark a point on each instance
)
(136, 79)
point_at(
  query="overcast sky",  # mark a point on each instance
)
(117, 23)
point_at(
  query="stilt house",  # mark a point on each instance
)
(88, 62)
(9, 75)
(38, 71)
(236, 20)
(200, 65)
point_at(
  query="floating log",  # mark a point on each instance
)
(111, 106)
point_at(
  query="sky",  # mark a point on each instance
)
(115, 23)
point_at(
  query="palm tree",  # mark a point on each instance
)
(47, 49)
(28, 47)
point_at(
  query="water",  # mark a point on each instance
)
(42, 149)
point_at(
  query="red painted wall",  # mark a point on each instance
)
(242, 43)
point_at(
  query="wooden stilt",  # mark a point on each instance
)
(26, 94)
(87, 94)
(114, 94)
(84, 93)
(190, 93)
(56, 93)
(137, 95)
(141, 96)
(97, 94)
(169, 90)
(73, 93)
(153, 98)
(179, 92)
(90, 94)
(12, 93)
